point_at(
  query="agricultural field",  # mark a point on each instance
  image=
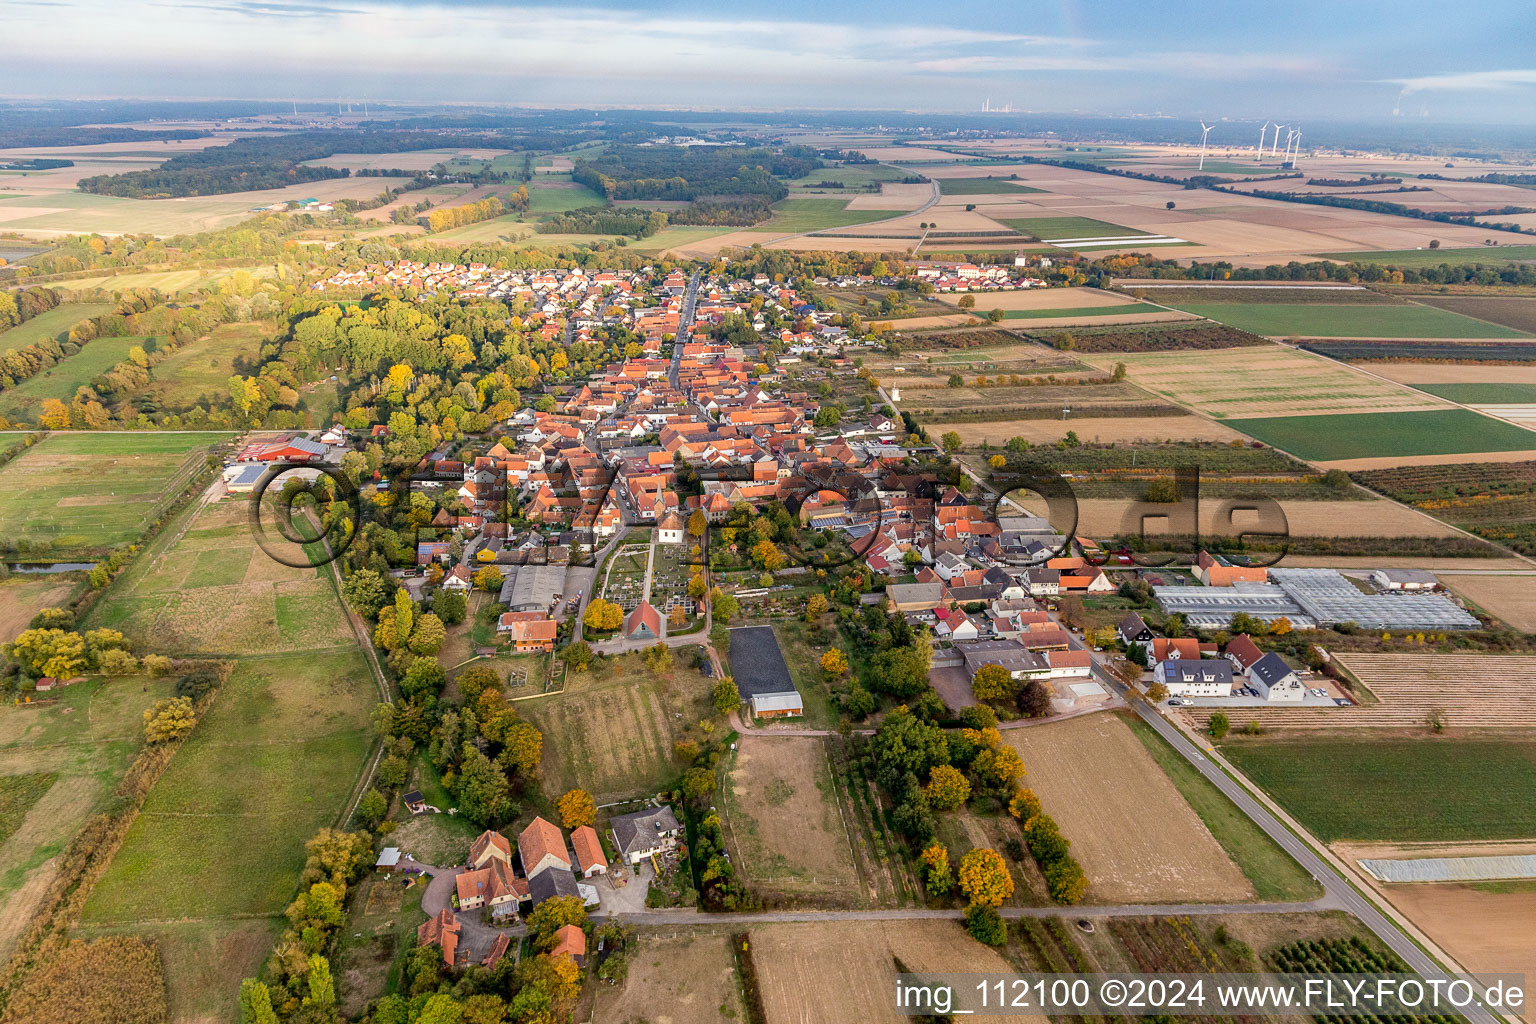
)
(850, 176)
(547, 196)
(1200, 335)
(692, 975)
(23, 403)
(1360, 436)
(1348, 320)
(1519, 353)
(220, 840)
(609, 731)
(1518, 314)
(1269, 869)
(1133, 430)
(1044, 301)
(983, 187)
(1042, 229)
(1102, 517)
(1417, 259)
(23, 595)
(1511, 599)
(1494, 500)
(1134, 833)
(832, 972)
(1084, 312)
(1256, 379)
(815, 213)
(199, 373)
(74, 494)
(53, 213)
(60, 758)
(206, 586)
(508, 227)
(783, 822)
(1351, 785)
(1484, 925)
(1483, 394)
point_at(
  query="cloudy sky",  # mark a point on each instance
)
(1347, 60)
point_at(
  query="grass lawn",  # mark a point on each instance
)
(53, 324)
(1502, 255)
(1482, 394)
(1275, 876)
(1046, 228)
(200, 371)
(82, 493)
(559, 196)
(814, 213)
(23, 403)
(1431, 788)
(1056, 314)
(1374, 320)
(982, 187)
(1325, 438)
(220, 841)
(58, 764)
(804, 662)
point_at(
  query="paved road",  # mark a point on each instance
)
(684, 327)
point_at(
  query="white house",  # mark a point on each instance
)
(670, 529)
(1275, 680)
(1195, 678)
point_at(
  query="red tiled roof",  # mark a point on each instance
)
(540, 839)
(589, 850)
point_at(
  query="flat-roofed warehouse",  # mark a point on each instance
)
(531, 588)
(762, 675)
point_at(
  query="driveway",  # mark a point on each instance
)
(621, 899)
(475, 937)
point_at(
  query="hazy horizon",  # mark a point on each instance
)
(1367, 62)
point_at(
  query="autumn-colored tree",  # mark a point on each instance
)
(603, 615)
(947, 787)
(937, 875)
(951, 441)
(428, 636)
(997, 462)
(1000, 766)
(724, 695)
(1280, 627)
(658, 658)
(1024, 805)
(523, 747)
(487, 578)
(994, 684)
(168, 719)
(984, 877)
(677, 618)
(834, 664)
(1157, 692)
(697, 523)
(815, 607)
(577, 808)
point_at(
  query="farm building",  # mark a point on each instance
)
(1404, 579)
(295, 449)
(1069, 664)
(644, 833)
(1213, 607)
(530, 588)
(570, 941)
(589, 851)
(915, 597)
(762, 675)
(243, 479)
(1329, 598)
(1215, 571)
(552, 882)
(442, 930)
(540, 846)
(1020, 661)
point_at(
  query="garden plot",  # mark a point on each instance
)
(624, 576)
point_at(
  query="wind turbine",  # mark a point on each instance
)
(1205, 134)
(1262, 132)
(1274, 147)
(1293, 147)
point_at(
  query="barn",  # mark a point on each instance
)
(762, 675)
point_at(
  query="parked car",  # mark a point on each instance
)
(1174, 702)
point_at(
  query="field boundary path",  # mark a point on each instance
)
(364, 641)
(695, 916)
